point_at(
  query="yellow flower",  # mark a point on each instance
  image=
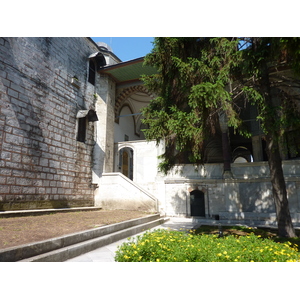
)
(219, 254)
(225, 252)
(157, 259)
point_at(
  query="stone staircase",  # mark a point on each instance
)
(72, 245)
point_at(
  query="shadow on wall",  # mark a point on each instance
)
(176, 205)
(19, 108)
(190, 171)
(257, 197)
(27, 125)
(98, 160)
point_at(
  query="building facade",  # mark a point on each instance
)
(49, 88)
(71, 135)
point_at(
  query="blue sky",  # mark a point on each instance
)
(127, 48)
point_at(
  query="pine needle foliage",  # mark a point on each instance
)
(201, 79)
(192, 87)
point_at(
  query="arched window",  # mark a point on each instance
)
(241, 155)
(96, 62)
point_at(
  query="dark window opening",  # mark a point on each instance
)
(81, 132)
(197, 203)
(293, 144)
(92, 72)
(92, 116)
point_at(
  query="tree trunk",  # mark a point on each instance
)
(285, 225)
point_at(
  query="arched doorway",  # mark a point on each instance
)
(197, 203)
(126, 162)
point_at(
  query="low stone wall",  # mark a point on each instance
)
(118, 192)
(246, 195)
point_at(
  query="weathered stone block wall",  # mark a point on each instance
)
(42, 164)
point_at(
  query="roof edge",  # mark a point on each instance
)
(123, 63)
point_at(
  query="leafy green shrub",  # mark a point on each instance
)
(174, 246)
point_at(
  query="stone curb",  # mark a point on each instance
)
(33, 249)
(35, 212)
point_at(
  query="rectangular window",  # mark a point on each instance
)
(81, 131)
(92, 72)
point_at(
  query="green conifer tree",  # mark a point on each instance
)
(201, 79)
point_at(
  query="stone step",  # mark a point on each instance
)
(72, 251)
(34, 249)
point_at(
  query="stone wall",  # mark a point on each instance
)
(42, 163)
(246, 195)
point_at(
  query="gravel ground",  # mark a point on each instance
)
(17, 231)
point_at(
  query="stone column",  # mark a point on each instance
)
(257, 148)
(225, 145)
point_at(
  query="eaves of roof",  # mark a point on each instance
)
(128, 71)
